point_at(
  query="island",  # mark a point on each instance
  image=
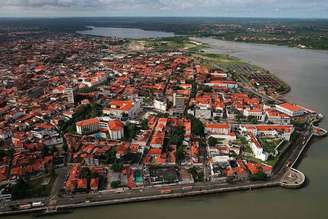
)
(88, 121)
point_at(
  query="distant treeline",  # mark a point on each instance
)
(313, 33)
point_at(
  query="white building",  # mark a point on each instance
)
(274, 130)
(218, 109)
(5, 133)
(160, 105)
(222, 84)
(119, 107)
(202, 112)
(277, 117)
(257, 148)
(96, 79)
(116, 129)
(217, 128)
(290, 109)
(88, 126)
(69, 92)
(257, 113)
(179, 100)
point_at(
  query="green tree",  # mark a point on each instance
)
(45, 151)
(252, 119)
(117, 167)
(85, 173)
(110, 156)
(130, 131)
(197, 127)
(180, 154)
(115, 184)
(260, 176)
(144, 124)
(212, 141)
(177, 136)
(196, 174)
(21, 189)
(207, 89)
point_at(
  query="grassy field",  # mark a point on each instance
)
(216, 60)
(271, 161)
(174, 43)
(269, 144)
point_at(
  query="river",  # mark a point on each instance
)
(307, 73)
(128, 33)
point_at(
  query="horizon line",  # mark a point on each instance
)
(154, 16)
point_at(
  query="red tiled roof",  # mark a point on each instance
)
(291, 107)
(88, 122)
(217, 125)
(124, 105)
(115, 125)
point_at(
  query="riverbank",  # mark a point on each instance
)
(163, 196)
(204, 191)
(282, 178)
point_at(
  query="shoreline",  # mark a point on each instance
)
(275, 181)
(229, 188)
(152, 197)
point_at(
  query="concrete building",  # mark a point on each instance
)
(160, 104)
(277, 117)
(257, 113)
(179, 100)
(87, 126)
(217, 128)
(119, 107)
(203, 112)
(290, 109)
(222, 84)
(274, 130)
(257, 148)
(70, 95)
(116, 129)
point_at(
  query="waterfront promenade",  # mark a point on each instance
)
(286, 177)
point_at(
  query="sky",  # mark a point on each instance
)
(176, 8)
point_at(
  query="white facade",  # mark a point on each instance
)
(278, 119)
(257, 149)
(160, 105)
(259, 115)
(219, 129)
(117, 112)
(203, 113)
(69, 94)
(4, 134)
(87, 126)
(116, 134)
(283, 131)
(116, 129)
(178, 100)
(285, 135)
(87, 129)
(290, 112)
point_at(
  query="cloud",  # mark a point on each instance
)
(174, 7)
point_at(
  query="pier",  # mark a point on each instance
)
(292, 179)
(319, 132)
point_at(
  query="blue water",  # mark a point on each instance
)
(125, 33)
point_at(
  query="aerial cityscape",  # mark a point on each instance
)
(101, 111)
